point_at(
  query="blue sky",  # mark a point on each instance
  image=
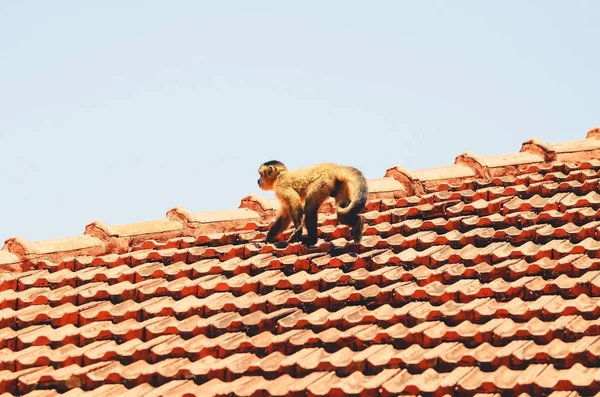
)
(120, 111)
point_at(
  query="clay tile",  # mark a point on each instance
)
(119, 238)
(397, 384)
(497, 164)
(8, 258)
(228, 215)
(138, 229)
(233, 218)
(578, 150)
(432, 179)
(427, 383)
(594, 133)
(180, 214)
(449, 172)
(55, 249)
(406, 178)
(260, 205)
(473, 162)
(580, 377)
(386, 188)
(539, 148)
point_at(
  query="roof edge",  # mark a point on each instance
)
(255, 212)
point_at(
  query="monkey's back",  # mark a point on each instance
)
(324, 174)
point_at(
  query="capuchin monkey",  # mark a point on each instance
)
(301, 192)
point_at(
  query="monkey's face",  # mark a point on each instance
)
(268, 176)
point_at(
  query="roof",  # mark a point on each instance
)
(479, 277)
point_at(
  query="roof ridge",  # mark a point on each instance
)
(254, 212)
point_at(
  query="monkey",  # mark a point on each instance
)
(301, 192)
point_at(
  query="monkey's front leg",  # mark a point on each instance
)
(281, 222)
(296, 212)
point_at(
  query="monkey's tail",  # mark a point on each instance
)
(358, 192)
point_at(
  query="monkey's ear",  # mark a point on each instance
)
(270, 170)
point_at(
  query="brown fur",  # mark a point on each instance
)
(301, 192)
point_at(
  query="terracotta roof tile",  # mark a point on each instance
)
(581, 145)
(443, 173)
(478, 278)
(503, 160)
(7, 258)
(386, 188)
(52, 249)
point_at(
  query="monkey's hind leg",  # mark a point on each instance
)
(353, 220)
(357, 230)
(356, 224)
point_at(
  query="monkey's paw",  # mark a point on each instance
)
(309, 240)
(296, 236)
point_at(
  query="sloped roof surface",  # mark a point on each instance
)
(478, 277)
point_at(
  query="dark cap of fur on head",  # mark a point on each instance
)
(273, 162)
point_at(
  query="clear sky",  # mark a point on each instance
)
(122, 110)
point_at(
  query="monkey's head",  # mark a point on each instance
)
(268, 173)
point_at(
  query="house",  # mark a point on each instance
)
(478, 277)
